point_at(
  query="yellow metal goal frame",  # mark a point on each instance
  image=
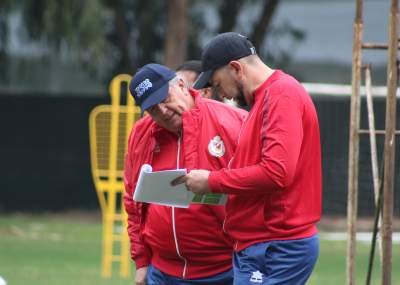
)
(109, 128)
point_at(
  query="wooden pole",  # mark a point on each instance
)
(389, 151)
(354, 147)
(374, 155)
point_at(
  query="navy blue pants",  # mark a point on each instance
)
(288, 262)
(156, 277)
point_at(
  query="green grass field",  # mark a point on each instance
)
(66, 250)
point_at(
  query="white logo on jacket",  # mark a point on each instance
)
(216, 147)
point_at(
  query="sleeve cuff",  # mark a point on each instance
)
(213, 182)
(141, 262)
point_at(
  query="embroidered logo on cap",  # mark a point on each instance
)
(216, 147)
(143, 87)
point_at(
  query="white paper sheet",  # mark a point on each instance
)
(155, 187)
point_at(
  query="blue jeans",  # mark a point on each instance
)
(288, 262)
(156, 277)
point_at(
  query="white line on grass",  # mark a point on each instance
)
(361, 236)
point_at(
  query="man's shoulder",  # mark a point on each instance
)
(141, 131)
(142, 126)
(220, 109)
(284, 85)
(144, 122)
(284, 81)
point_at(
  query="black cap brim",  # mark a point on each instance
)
(203, 80)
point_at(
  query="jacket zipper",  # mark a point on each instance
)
(229, 167)
(173, 219)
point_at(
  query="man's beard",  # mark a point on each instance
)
(240, 99)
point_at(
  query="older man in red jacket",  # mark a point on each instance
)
(183, 130)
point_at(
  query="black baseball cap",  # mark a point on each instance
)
(149, 86)
(219, 52)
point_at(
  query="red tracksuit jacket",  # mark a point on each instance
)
(186, 243)
(274, 177)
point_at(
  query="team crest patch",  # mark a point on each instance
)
(216, 147)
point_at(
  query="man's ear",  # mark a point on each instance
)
(206, 92)
(236, 67)
(181, 83)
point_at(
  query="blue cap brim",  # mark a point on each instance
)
(203, 80)
(156, 97)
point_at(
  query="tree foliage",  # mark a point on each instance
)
(122, 35)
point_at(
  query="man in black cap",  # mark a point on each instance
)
(178, 246)
(274, 177)
(189, 71)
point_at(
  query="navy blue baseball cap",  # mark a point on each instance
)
(221, 50)
(149, 86)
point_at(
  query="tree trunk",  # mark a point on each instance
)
(176, 36)
(125, 62)
(122, 33)
(228, 13)
(261, 26)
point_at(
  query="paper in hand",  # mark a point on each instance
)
(155, 187)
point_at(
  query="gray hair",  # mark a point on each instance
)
(174, 81)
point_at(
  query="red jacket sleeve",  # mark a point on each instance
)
(139, 252)
(281, 134)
